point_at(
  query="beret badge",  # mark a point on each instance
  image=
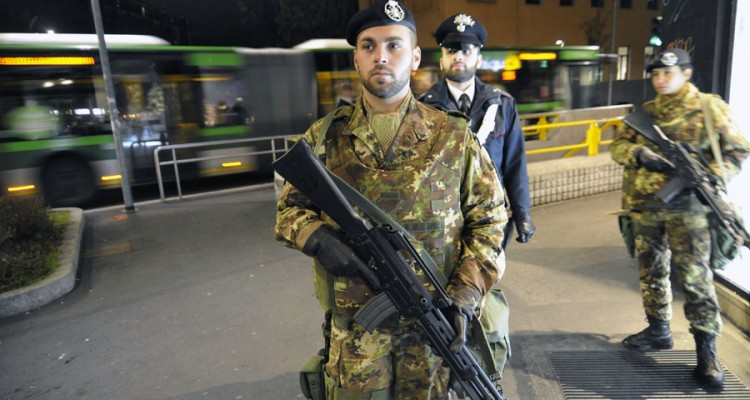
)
(394, 11)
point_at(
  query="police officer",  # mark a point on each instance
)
(428, 172)
(493, 113)
(680, 226)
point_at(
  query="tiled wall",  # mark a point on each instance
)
(571, 178)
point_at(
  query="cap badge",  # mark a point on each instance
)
(669, 59)
(462, 21)
(394, 11)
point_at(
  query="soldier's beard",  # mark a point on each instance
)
(380, 87)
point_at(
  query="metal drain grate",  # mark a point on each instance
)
(628, 375)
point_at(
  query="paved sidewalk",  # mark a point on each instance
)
(196, 300)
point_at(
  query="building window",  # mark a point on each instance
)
(623, 61)
(652, 4)
(533, 1)
(628, 4)
(648, 54)
(597, 3)
(566, 3)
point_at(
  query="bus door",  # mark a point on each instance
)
(222, 102)
(141, 103)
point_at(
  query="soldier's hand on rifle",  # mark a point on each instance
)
(648, 159)
(465, 299)
(333, 253)
(524, 226)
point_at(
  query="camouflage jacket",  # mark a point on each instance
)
(435, 180)
(682, 120)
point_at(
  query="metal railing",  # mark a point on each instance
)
(591, 142)
(278, 145)
(281, 144)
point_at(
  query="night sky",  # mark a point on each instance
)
(252, 23)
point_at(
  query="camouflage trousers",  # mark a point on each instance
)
(680, 239)
(395, 361)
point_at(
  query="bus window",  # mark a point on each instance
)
(59, 102)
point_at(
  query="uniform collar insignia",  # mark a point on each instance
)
(462, 21)
(669, 59)
(394, 11)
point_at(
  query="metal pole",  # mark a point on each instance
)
(613, 50)
(109, 88)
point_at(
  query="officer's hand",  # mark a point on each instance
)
(524, 226)
(648, 159)
(460, 313)
(332, 252)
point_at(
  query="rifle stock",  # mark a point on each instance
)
(389, 256)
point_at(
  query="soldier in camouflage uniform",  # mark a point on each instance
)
(426, 169)
(676, 233)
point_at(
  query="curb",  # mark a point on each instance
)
(56, 285)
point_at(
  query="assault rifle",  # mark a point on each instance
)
(690, 173)
(389, 257)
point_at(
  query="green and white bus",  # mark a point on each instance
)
(55, 131)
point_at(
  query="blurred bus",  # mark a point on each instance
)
(55, 131)
(539, 78)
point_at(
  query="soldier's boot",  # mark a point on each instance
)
(709, 369)
(656, 336)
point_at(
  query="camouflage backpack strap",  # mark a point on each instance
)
(712, 137)
(344, 110)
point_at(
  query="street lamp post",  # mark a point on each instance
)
(612, 49)
(114, 114)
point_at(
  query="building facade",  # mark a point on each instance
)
(554, 22)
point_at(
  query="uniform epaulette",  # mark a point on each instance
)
(502, 93)
(343, 111)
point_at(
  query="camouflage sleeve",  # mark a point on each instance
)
(296, 216)
(623, 147)
(482, 261)
(734, 145)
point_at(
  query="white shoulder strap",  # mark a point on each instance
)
(488, 124)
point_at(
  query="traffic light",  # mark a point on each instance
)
(655, 32)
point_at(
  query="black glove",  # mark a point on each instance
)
(524, 226)
(460, 313)
(648, 159)
(333, 253)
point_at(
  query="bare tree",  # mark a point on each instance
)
(595, 30)
(305, 19)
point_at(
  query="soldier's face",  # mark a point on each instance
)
(669, 80)
(460, 65)
(385, 56)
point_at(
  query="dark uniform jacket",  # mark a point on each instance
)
(505, 144)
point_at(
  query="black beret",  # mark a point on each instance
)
(460, 30)
(669, 58)
(382, 12)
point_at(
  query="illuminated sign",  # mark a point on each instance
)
(509, 75)
(537, 56)
(47, 61)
